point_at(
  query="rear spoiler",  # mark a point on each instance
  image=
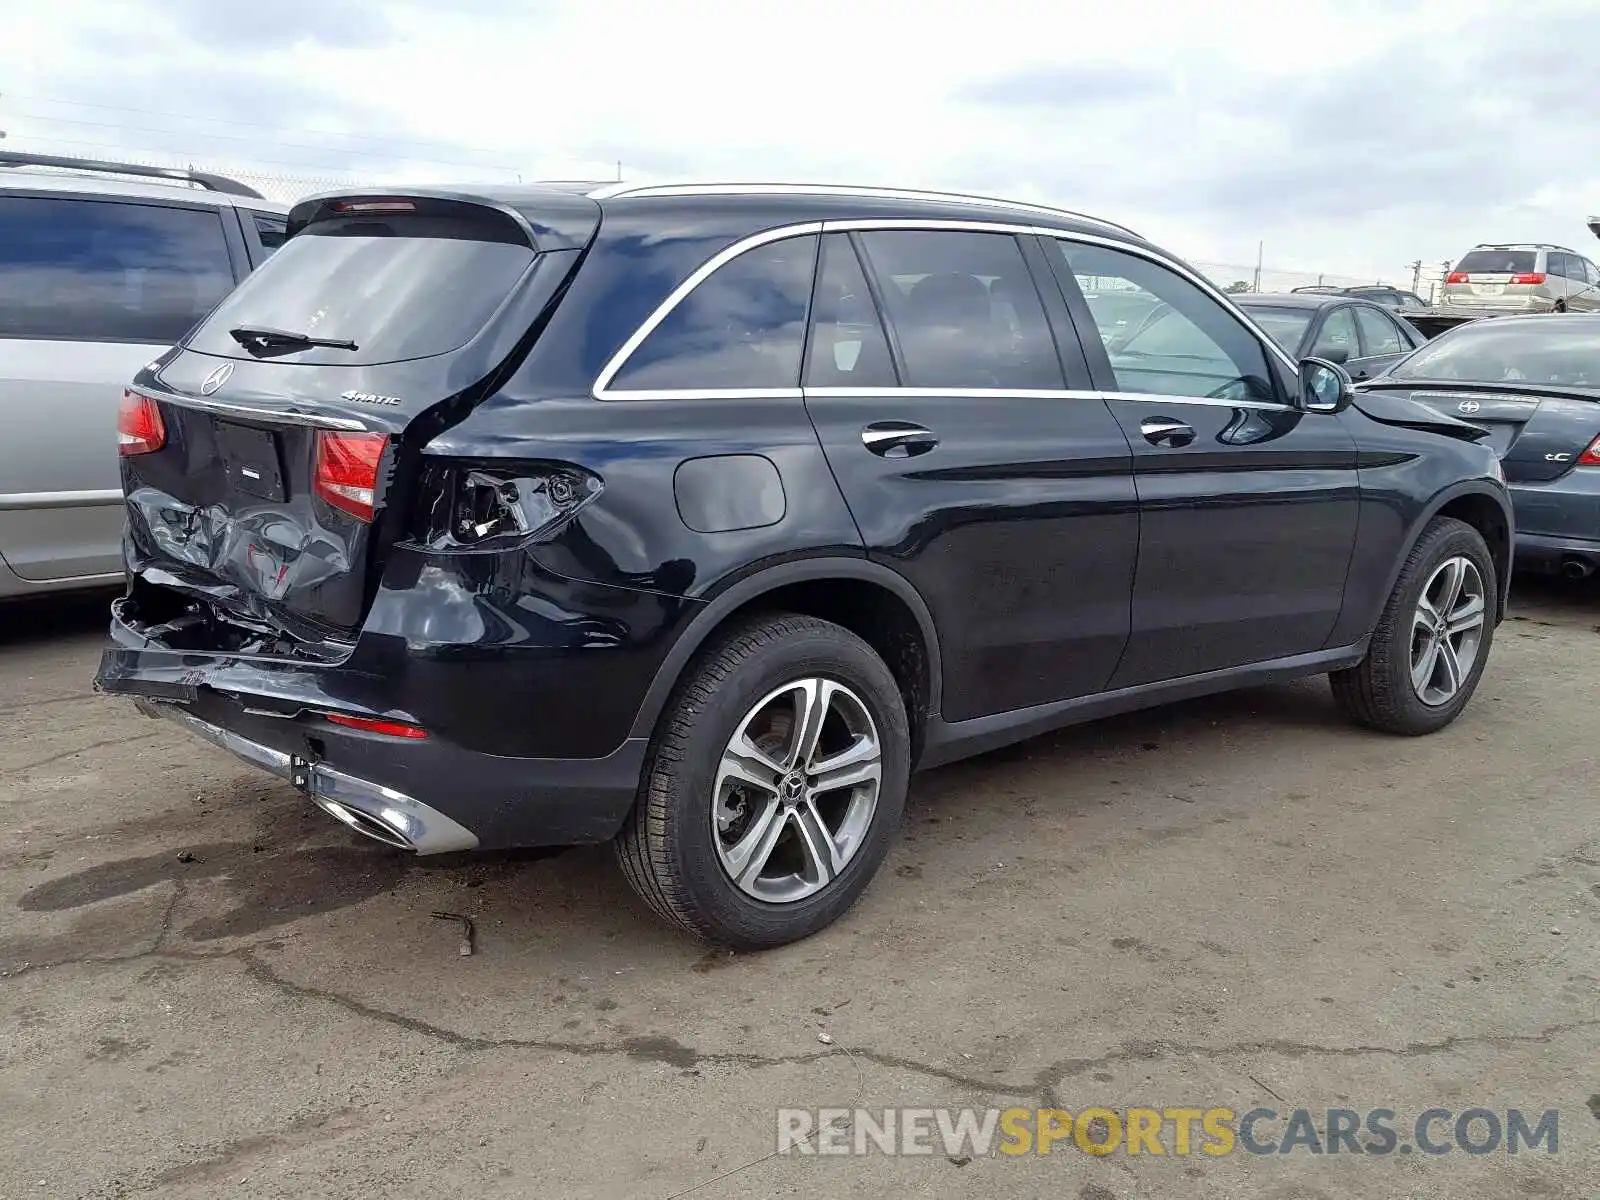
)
(546, 218)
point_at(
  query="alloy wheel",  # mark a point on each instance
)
(1447, 630)
(796, 789)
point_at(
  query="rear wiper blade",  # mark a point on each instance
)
(260, 337)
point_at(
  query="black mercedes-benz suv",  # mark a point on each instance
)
(697, 518)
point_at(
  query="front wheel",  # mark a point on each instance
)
(1432, 641)
(773, 787)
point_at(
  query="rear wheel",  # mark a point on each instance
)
(773, 786)
(1432, 641)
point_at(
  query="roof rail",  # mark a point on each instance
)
(1524, 245)
(212, 183)
(836, 189)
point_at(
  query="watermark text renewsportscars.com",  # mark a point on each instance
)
(1178, 1131)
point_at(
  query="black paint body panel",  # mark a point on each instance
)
(1054, 563)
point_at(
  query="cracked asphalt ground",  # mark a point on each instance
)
(210, 989)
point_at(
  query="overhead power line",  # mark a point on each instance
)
(256, 141)
(152, 112)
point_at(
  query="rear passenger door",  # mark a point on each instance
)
(1247, 505)
(1382, 343)
(974, 458)
(90, 291)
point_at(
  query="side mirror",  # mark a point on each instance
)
(1337, 354)
(1324, 386)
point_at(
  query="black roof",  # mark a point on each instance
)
(560, 211)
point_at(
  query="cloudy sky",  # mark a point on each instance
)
(1351, 136)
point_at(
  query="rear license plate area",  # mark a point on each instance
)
(253, 460)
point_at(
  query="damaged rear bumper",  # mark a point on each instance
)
(428, 795)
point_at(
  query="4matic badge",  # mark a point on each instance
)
(368, 398)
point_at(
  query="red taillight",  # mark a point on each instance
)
(1528, 277)
(1458, 277)
(1591, 456)
(140, 428)
(397, 729)
(347, 471)
(374, 206)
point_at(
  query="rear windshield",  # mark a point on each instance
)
(1564, 352)
(398, 289)
(1284, 325)
(1498, 262)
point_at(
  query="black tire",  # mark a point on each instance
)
(667, 848)
(1378, 693)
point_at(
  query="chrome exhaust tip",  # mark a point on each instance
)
(363, 823)
(1576, 568)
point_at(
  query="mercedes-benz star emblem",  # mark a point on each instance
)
(1469, 406)
(216, 379)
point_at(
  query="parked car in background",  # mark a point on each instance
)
(1534, 385)
(1392, 298)
(1522, 278)
(697, 517)
(1362, 337)
(102, 266)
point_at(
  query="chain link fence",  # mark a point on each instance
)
(287, 188)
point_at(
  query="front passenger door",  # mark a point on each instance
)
(1247, 505)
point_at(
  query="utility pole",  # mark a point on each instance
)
(1256, 287)
(1416, 276)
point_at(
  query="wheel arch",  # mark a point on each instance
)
(1487, 511)
(873, 601)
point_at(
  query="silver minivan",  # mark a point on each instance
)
(102, 266)
(1522, 278)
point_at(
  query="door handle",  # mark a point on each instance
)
(1164, 431)
(898, 439)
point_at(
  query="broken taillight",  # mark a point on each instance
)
(140, 428)
(503, 505)
(347, 471)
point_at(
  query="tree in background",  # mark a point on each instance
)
(1236, 287)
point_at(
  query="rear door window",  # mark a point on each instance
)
(847, 346)
(108, 271)
(1379, 335)
(964, 309)
(743, 327)
(398, 286)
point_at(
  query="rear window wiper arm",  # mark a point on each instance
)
(260, 337)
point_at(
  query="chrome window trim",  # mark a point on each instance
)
(602, 384)
(928, 393)
(603, 391)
